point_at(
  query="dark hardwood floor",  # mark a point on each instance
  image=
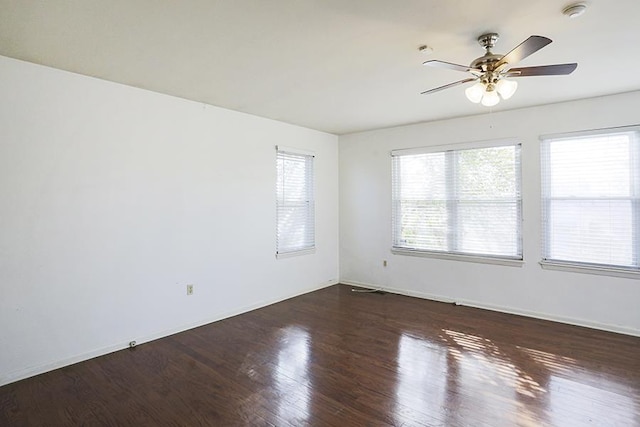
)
(340, 358)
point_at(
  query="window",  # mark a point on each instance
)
(294, 202)
(458, 201)
(590, 203)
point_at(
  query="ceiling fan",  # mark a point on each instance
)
(492, 72)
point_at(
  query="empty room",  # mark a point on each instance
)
(319, 213)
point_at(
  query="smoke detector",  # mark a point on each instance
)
(575, 10)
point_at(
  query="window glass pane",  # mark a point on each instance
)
(590, 205)
(488, 228)
(423, 225)
(590, 167)
(591, 231)
(459, 201)
(487, 173)
(292, 226)
(423, 177)
(294, 200)
(421, 202)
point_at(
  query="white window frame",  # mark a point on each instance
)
(586, 267)
(507, 260)
(305, 204)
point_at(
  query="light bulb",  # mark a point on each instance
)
(474, 93)
(506, 88)
(490, 98)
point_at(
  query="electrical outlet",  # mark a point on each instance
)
(384, 263)
(189, 289)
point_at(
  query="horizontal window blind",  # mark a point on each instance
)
(458, 201)
(295, 207)
(590, 199)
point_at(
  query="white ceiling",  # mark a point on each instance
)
(338, 66)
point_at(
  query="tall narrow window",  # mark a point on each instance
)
(294, 202)
(590, 199)
(458, 201)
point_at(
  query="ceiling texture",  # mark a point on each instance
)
(338, 66)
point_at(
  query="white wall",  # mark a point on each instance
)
(365, 221)
(112, 199)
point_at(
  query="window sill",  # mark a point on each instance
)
(459, 257)
(295, 253)
(588, 269)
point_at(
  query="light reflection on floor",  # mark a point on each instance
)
(291, 375)
(420, 363)
(494, 364)
(553, 362)
(473, 369)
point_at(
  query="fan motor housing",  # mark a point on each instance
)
(486, 62)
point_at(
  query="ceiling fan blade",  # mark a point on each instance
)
(542, 70)
(438, 89)
(524, 49)
(448, 65)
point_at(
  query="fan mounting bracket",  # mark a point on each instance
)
(488, 41)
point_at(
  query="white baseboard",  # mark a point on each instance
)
(41, 369)
(502, 309)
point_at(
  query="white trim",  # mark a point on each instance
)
(490, 143)
(501, 309)
(590, 269)
(41, 369)
(293, 150)
(295, 253)
(590, 132)
(459, 257)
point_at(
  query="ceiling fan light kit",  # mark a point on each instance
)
(487, 92)
(506, 88)
(476, 92)
(492, 72)
(490, 97)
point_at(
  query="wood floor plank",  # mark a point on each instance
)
(340, 358)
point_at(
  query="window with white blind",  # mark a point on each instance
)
(590, 200)
(295, 206)
(458, 202)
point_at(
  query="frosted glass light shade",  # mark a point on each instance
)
(474, 93)
(490, 98)
(506, 88)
